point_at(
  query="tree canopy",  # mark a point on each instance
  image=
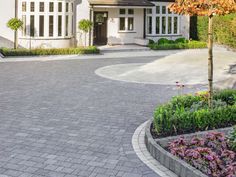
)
(203, 7)
(85, 25)
(14, 24)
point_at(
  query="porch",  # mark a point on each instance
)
(118, 22)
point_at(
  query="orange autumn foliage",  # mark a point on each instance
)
(203, 7)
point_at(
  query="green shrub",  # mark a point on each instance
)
(232, 139)
(63, 51)
(189, 45)
(224, 29)
(181, 40)
(227, 96)
(162, 41)
(190, 113)
(151, 42)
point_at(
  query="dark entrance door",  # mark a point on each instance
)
(100, 28)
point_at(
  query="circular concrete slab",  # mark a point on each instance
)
(188, 67)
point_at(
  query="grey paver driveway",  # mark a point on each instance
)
(58, 119)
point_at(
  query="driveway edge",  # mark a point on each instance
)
(138, 142)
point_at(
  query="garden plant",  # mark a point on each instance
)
(190, 113)
(180, 43)
(232, 139)
(85, 26)
(54, 51)
(210, 154)
(15, 24)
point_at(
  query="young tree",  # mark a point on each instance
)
(15, 24)
(208, 8)
(85, 26)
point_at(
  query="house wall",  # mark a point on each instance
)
(83, 12)
(7, 11)
(122, 37)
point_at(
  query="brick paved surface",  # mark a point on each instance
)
(59, 119)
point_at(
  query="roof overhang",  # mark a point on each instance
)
(120, 3)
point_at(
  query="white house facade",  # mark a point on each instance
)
(54, 23)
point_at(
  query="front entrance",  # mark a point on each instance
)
(100, 28)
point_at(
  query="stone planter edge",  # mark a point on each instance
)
(176, 165)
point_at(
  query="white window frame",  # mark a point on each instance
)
(148, 15)
(127, 16)
(46, 15)
(154, 16)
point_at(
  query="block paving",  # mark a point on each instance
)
(59, 119)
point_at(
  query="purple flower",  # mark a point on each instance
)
(209, 157)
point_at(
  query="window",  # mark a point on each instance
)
(122, 23)
(166, 22)
(67, 25)
(67, 7)
(163, 25)
(51, 25)
(149, 25)
(169, 25)
(32, 25)
(23, 6)
(130, 11)
(126, 20)
(59, 25)
(149, 21)
(122, 11)
(130, 24)
(41, 7)
(49, 19)
(32, 6)
(24, 25)
(149, 11)
(158, 10)
(41, 25)
(60, 7)
(163, 9)
(175, 25)
(157, 25)
(51, 7)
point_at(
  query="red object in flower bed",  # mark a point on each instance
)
(210, 154)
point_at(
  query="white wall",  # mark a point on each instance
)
(7, 11)
(185, 26)
(82, 12)
(46, 43)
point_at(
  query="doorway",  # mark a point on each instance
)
(100, 28)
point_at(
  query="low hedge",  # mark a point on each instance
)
(190, 113)
(54, 51)
(177, 45)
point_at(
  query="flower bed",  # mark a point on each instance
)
(190, 113)
(211, 154)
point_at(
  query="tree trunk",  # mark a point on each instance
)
(16, 33)
(16, 40)
(210, 61)
(85, 39)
